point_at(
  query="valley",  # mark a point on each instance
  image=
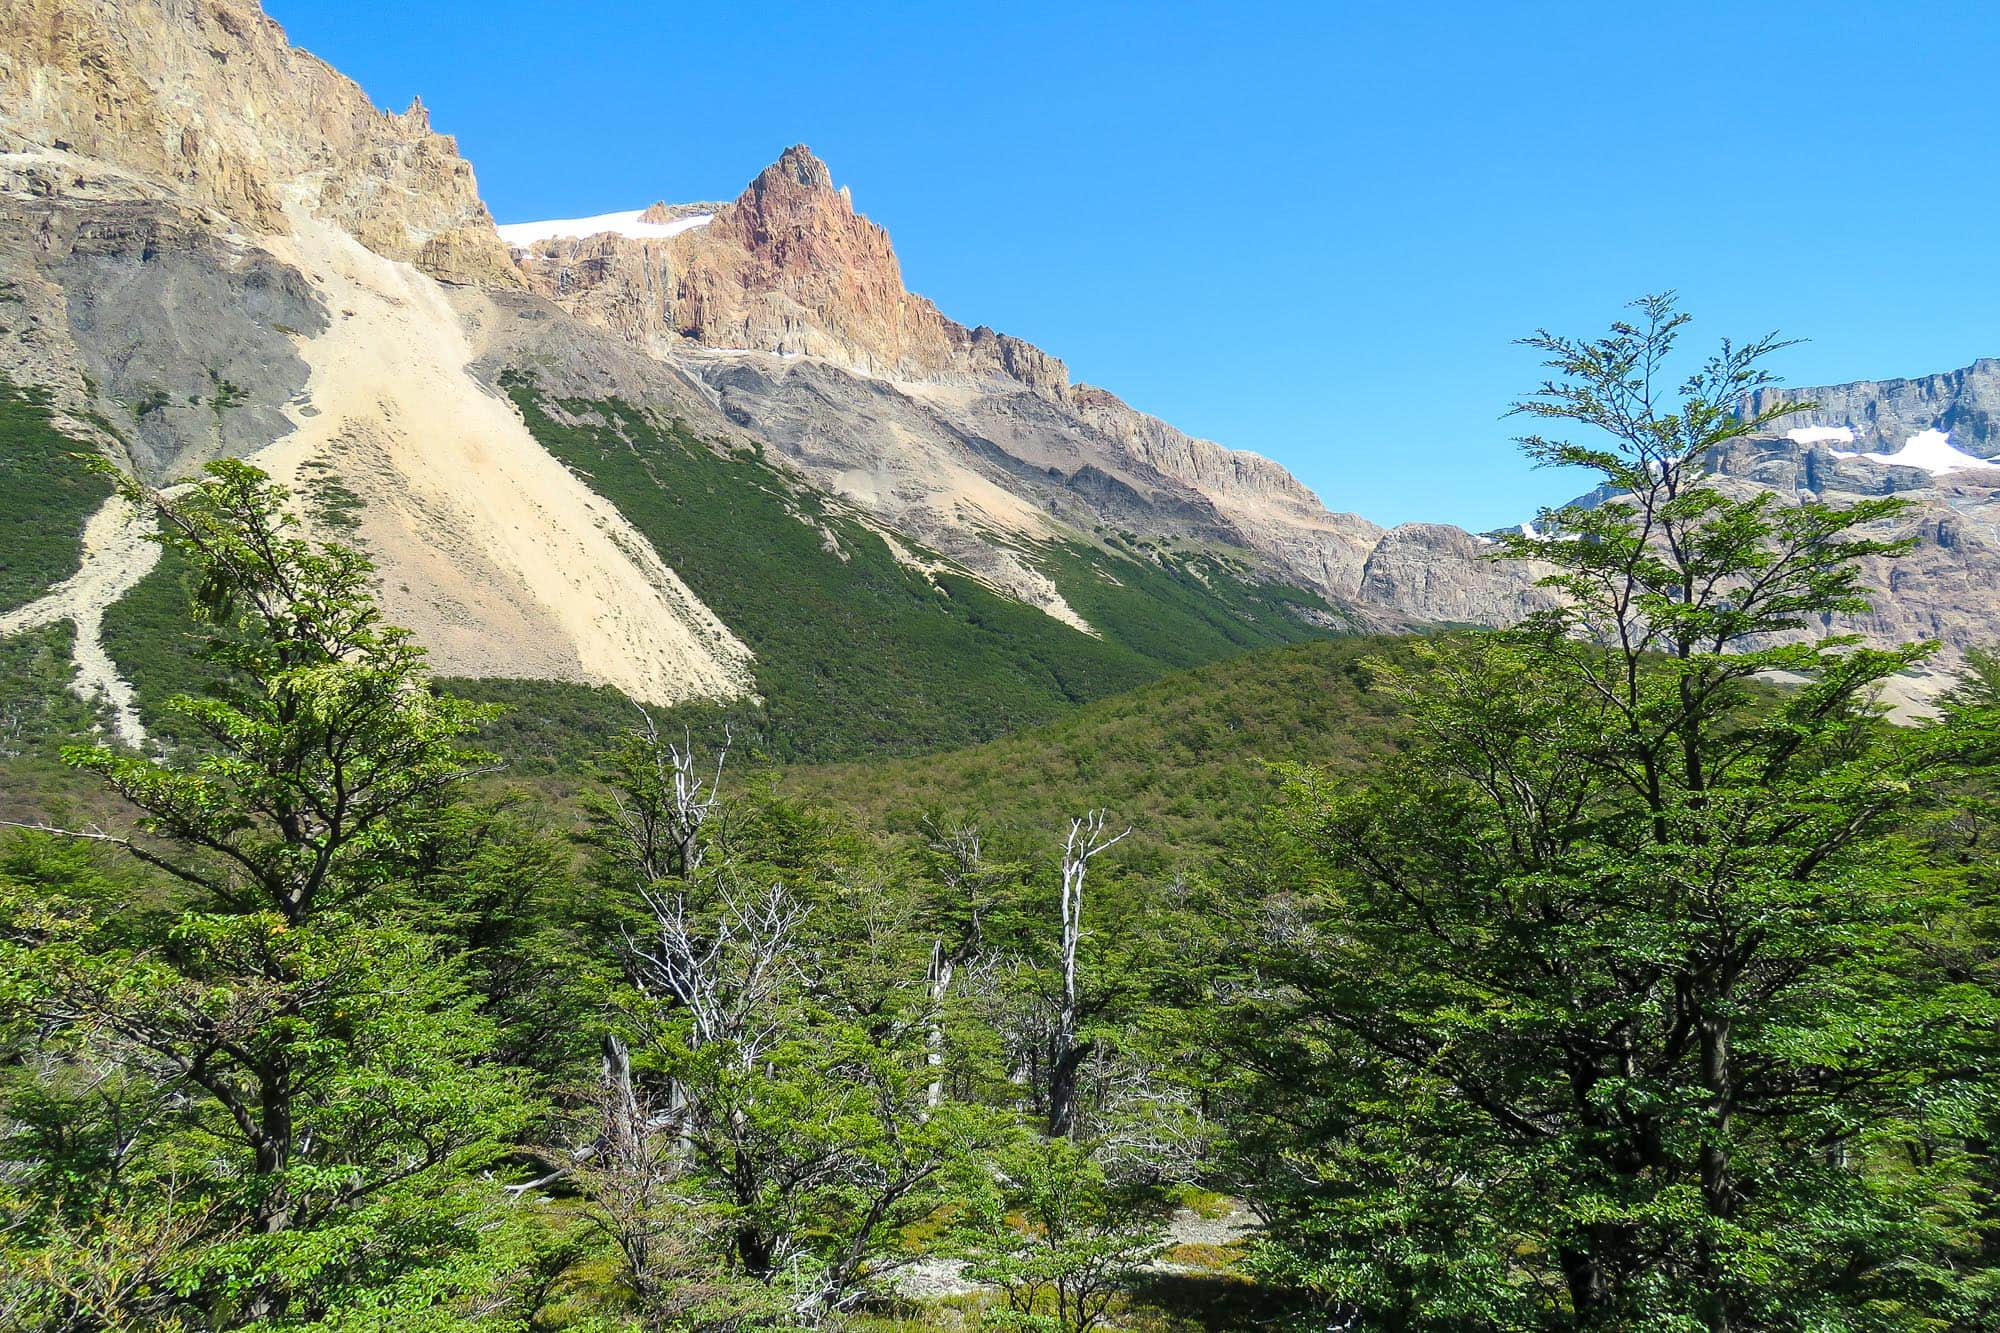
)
(629, 773)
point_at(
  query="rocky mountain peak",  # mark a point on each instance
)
(798, 165)
(1882, 416)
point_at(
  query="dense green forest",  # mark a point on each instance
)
(1569, 976)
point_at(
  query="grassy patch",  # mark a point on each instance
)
(328, 500)
(38, 712)
(46, 493)
(153, 639)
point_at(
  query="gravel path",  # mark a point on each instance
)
(935, 1279)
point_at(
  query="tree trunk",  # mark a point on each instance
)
(1716, 1190)
(939, 980)
(1063, 1068)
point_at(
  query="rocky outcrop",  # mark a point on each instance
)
(204, 102)
(1963, 403)
(1238, 474)
(788, 267)
(215, 244)
(211, 243)
(1919, 440)
(1944, 587)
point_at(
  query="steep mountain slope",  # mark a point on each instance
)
(212, 244)
(791, 309)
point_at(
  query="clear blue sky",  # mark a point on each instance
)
(1308, 229)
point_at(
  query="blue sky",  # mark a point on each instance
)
(1312, 230)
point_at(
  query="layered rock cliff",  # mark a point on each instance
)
(1926, 440)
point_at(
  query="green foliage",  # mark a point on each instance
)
(323, 733)
(38, 711)
(46, 493)
(860, 654)
(1058, 1239)
(1606, 1004)
(1187, 760)
(797, 1094)
(281, 1088)
(159, 645)
(1580, 977)
(552, 728)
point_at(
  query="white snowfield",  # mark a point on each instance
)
(1931, 450)
(623, 224)
(1821, 435)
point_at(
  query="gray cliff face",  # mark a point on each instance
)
(1947, 587)
(137, 311)
(1884, 413)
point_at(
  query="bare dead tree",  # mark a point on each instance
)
(969, 881)
(659, 803)
(651, 820)
(627, 1180)
(621, 1117)
(1087, 840)
(726, 974)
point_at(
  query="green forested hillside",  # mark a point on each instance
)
(856, 653)
(860, 654)
(1183, 759)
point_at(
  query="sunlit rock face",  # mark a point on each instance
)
(792, 307)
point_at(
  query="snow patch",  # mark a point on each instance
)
(521, 234)
(1821, 435)
(1931, 450)
(748, 351)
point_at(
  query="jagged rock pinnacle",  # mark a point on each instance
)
(800, 164)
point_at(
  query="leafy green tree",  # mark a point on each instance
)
(1606, 1006)
(497, 883)
(765, 1127)
(303, 1075)
(1058, 1238)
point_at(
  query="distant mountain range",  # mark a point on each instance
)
(700, 452)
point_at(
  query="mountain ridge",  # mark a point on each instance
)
(213, 244)
(789, 271)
